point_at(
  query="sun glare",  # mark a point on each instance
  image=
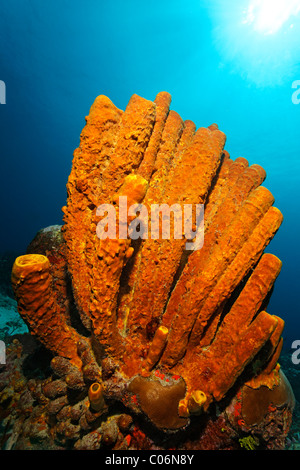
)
(258, 39)
(268, 16)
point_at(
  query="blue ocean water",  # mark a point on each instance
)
(234, 65)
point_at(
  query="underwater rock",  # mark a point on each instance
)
(179, 339)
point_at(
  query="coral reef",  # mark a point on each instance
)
(155, 346)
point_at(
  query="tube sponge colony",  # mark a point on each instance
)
(167, 332)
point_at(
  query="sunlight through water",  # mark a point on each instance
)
(268, 16)
(258, 39)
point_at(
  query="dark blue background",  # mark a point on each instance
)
(58, 55)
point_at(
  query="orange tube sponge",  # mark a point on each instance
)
(97, 142)
(112, 254)
(235, 182)
(249, 343)
(136, 127)
(162, 101)
(239, 316)
(228, 173)
(96, 396)
(183, 186)
(188, 307)
(156, 347)
(239, 186)
(37, 306)
(192, 404)
(176, 135)
(168, 152)
(197, 317)
(247, 304)
(240, 267)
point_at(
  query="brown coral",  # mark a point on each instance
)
(167, 325)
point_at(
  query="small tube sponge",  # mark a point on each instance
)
(96, 396)
(156, 347)
(192, 404)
